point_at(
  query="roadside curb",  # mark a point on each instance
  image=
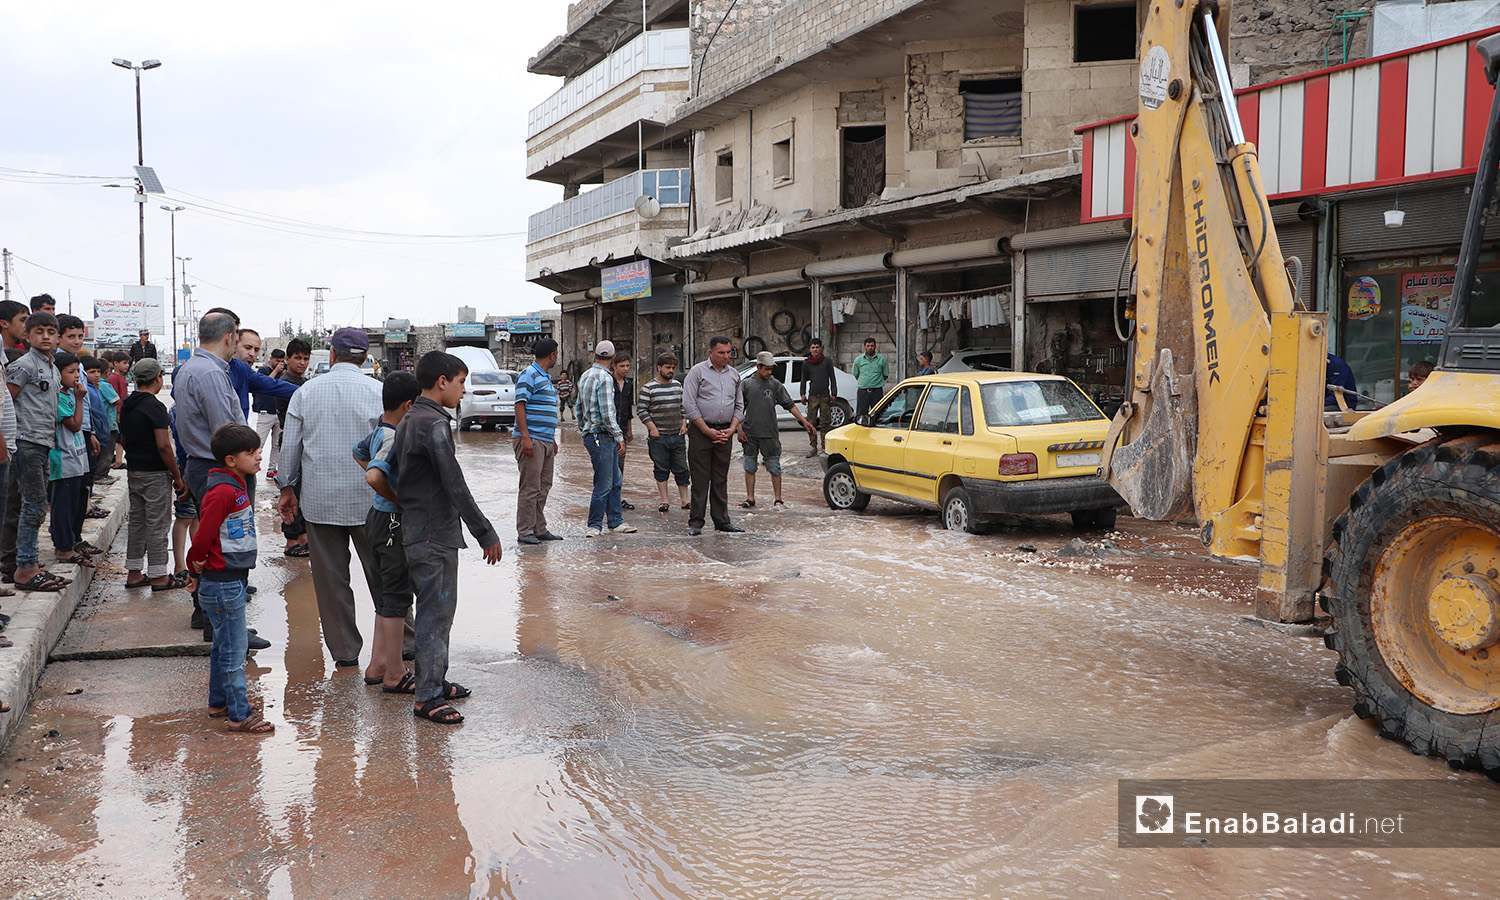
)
(39, 619)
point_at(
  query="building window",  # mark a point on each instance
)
(724, 177)
(1104, 33)
(781, 161)
(864, 164)
(992, 108)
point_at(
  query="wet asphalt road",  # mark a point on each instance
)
(829, 706)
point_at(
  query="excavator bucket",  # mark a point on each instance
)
(1154, 472)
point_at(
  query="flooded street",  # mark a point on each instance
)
(829, 706)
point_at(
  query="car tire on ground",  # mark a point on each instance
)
(840, 414)
(1090, 519)
(840, 490)
(463, 424)
(958, 512)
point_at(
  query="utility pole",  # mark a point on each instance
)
(140, 150)
(173, 211)
(6, 256)
(318, 327)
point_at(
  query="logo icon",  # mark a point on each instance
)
(1153, 814)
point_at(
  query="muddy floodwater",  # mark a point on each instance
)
(828, 706)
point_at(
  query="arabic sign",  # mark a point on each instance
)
(531, 324)
(119, 321)
(1424, 306)
(631, 281)
(1364, 298)
(395, 337)
(464, 330)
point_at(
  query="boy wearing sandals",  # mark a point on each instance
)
(151, 468)
(760, 432)
(222, 555)
(68, 463)
(434, 500)
(392, 588)
(33, 381)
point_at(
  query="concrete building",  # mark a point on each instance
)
(605, 138)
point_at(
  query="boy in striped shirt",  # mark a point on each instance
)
(660, 408)
(535, 443)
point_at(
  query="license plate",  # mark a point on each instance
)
(1073, 460)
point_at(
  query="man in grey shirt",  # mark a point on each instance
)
(761, 431)
(714, 407)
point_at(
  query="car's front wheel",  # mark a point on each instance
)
(958, 512)
(840, 491)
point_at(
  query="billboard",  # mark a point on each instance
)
(121, 321)
(631, 281)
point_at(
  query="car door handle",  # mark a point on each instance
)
(898, 439)
(949, 443)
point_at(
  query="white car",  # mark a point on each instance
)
(978, 359)
(489, 400)
(789, 373)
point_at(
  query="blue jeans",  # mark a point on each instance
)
(29, 467)
(224, 605)
(604, 504)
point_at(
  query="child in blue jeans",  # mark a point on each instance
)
(67, 464)
(222, 555)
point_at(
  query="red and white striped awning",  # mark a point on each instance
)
(1410, 116)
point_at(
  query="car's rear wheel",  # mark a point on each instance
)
(840, 490)
(958, 512)
(1101, 519)
(840, 414)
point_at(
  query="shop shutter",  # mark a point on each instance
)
(1077, 269)
(1434, 220)
(1300, 239)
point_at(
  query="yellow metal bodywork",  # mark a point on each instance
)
(1445, 399)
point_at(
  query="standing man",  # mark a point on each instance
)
(245, 379)
(325, 419)
(13, 325)
(818, 389)
(142, 347)
(624, 401)
(870, 371)
(44, 303)
(714, 405)
(267, 423)
(604, 440)
(535, 443)
(924, 363)
(760, 432)
(666, 428)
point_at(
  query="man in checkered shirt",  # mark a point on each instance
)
(326, 418)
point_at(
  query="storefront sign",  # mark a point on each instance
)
(1364, 298)
(464, 330)
(395, 337)
(631, 281)
(1424, 306)
(531, 324)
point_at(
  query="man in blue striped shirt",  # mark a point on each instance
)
(604, 440)
(535, 443)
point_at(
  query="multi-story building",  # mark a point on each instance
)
(605, 138)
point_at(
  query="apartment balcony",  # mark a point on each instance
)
(604, 222)
(595, 114)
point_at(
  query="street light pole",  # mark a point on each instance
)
(140, 148)
(173, 211)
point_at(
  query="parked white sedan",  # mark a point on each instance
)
(489, 401)
(789, 372)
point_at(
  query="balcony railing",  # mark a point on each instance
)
(652, 50)
(670, 187)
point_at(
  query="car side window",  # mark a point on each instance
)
(793, 373)
(897, 411)
(939, 411)
(966, 413)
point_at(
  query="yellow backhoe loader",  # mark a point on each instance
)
(1394, 530)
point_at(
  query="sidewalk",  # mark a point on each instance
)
(38, 619)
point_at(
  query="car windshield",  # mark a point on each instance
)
(1008, 404)
(488, 378)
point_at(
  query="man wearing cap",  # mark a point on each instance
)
(605, 442)
(760, 432)
(319, 475)
(714, 407)
(143, 347)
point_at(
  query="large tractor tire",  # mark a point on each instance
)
(1412, 580)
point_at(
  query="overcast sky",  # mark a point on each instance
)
(377, 117)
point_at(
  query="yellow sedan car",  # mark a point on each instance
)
(974, 445)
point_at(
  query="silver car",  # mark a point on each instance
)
(490, 400)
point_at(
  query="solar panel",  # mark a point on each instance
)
(149, 182)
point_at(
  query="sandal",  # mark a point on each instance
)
(138, 584)
(174, 583)
(374, 681)
(251, 724)
(407, 685)
(664, 507)
(747, 504)
(86, 547)
(778, 505)
(218, 712)
(687, 506)
(454, 691)
(298, 551)
(437, 710)
(45, 582)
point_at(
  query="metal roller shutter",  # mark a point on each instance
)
(1078, 269)
(1300, 239)
(1434, 219)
